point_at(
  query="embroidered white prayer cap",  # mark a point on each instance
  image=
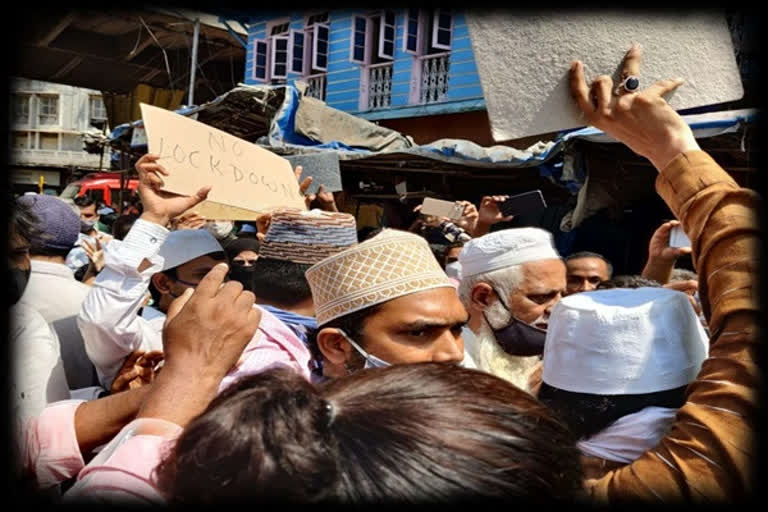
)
(390, 265)
(185, 245)
(623, 341)
(506, 248)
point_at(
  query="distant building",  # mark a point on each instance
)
(398, 67)
(46, 141)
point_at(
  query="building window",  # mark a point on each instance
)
(21, 108)
(373, 46)
(49, 141)
(97, 112)
(316, 19)
(48, 110)
(428, 36)
(20, 140)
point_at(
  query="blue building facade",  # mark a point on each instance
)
(374, 63)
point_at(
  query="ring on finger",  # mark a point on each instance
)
(629, 84)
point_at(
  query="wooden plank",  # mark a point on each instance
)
(57, 29)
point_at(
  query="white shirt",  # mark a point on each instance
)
(109, 320)
(54, 292)
(38, 373)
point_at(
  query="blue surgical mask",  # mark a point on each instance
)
(371, 361)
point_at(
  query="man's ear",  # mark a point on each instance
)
(482, 296)
(161, 282)
(334, 346)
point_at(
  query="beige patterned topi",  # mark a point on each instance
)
(391, 264)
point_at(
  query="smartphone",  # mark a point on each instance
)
(528, 202)
(678, 238)
(440, 208)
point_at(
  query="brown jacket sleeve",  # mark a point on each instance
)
(708, 452)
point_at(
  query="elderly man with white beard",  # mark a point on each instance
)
(511, 279)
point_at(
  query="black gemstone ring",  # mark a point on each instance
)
(630, 84)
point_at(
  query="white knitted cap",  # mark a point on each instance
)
(506, 248)
(623, 341)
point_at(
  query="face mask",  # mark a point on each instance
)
(519, 338)
(220, 229)
(243, 275)
(453, 270)
(371, 361)
(19, 279)
(86, 226)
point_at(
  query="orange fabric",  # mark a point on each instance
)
(708, 453)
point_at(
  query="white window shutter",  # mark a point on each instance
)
(296, 52)
(411, 31)
(386, 48)
(357, 43)
(442, 29)
(321, 35)
(279, 66)
(260, 60)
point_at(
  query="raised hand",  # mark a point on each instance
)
(95, 254)
(208, 329)
(160, 206)
(469, 217)
(643, 120)
(322, 200)
(662, 257)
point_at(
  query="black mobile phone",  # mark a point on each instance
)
(528, 202)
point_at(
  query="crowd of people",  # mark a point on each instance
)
(168, 358)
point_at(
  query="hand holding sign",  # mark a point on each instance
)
(195, 155)
(159, 206)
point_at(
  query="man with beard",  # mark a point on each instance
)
(511, 279)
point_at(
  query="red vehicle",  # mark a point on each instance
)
(102, 187)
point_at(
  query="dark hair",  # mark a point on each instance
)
(280, 282)
(406, 433)
(625, 281)
(588, 254)
(367, 233)
(123, 225)
(84, 201)
(448, 247)
(587, 414)
(352, 324)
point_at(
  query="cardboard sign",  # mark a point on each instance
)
(523, 59)
(242, 174)
(323, 167)
(211, 210)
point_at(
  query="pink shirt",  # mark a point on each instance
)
(48, 446)
(123, 471)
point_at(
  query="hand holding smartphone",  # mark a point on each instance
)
(440, 208)
(528, 202)
(678, 238)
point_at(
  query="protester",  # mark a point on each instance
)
(91, 229)
(707, 453)
(385, 301)
(37, 374)
(222, 230)
(406, 434)
(52, 446)
(112, 320)
(511, 279)
(615, 367)
(295, 241)
(52, 289)
(450, 260)
(242, 254)
(585, 270)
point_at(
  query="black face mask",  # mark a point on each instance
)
(519, 338)
(243, 275)
(19, 279)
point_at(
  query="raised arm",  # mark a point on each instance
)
(707, 454)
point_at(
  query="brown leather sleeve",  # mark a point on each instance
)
(708, 452)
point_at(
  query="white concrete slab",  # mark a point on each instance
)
(523, 61)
